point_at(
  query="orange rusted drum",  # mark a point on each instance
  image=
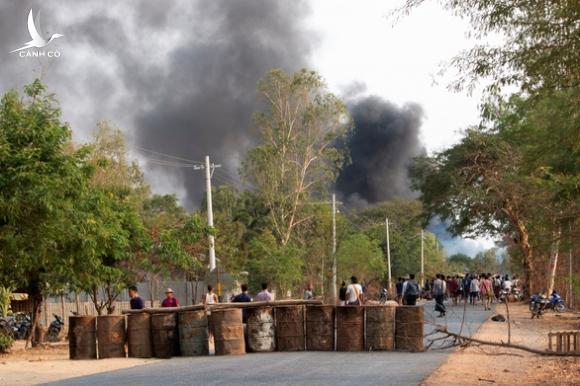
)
(228, 330)
(111, 336)
(139, 342)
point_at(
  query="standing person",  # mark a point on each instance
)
(342, 294)
(452, 289)
(308, 294)
(473, 290)
(486, 291)
(136, 301)
(264, 295)
(243, 297)
(496, 286)
(439, 290)
(170, 299)
(354, 292)
(411, 291)
(210, 296)
(399, 287)
(467, 287)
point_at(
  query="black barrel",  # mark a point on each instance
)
(82, 337)
(409, 322)
(139, 335)
(380, 328)
(290, 328)
(193, 333)
(111, 336)
(350, 328)
(165, 335)
(320, 328)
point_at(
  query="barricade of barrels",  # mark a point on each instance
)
(186, 331)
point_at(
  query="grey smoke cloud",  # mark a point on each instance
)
(382, 145)
(178, 77)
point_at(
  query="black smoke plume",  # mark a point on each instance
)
(382, 144)
(178, 76)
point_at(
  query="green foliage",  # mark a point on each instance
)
(361, 256)
(40, 184)
(177, 238)
(5, 301)
(405, 242)
(6, 342)
(460, 263)
(486, 262)
(280, 265)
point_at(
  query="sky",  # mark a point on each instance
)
(179, 77)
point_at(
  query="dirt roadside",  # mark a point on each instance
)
(51, 363)
(486, 365)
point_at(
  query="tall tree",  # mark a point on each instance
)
(297, 156)
(40, 183)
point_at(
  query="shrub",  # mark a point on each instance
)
(6, 342)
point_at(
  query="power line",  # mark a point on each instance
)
(168, 155)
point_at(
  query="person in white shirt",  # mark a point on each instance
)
(210, 296)
(354, 292)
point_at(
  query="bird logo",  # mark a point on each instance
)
(37, 40)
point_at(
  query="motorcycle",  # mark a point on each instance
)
(54, 329)
(384, 296)
(538, 303)
(17, 326)
(517, 294)
(556, 303)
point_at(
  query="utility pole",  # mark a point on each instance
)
(333, 288)
(389, 283)
(208, 174)
(209, 169)
(422, 259)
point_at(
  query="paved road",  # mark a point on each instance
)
(302, 368)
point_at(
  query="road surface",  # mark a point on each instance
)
(297, 368)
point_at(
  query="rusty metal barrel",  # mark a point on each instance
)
(82, 338)
(260, 329)
(350, 328)
(228, 330)
(139, 343)
(165, 335)
(320, 328)
(290, 328)
(409, 322)
(380, 328)
(193, 333)
(111, 336)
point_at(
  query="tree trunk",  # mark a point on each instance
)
(553, 260)
(37, 300)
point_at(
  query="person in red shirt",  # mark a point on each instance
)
(170, 299)
(486, 291)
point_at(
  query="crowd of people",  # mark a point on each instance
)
(473, 288)
(136, 302)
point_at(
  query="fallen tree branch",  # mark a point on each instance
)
(459, 337)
